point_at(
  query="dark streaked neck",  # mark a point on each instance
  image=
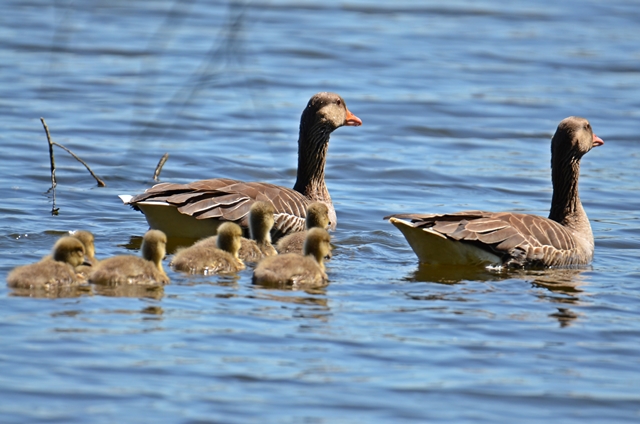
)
(312, 155)
(566, 207)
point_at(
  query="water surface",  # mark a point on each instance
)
(459, 101)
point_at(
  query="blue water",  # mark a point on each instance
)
(458, 101)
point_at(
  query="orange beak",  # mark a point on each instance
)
(352, 120)
(597, 141)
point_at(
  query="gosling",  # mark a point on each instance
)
(128, 269)
(317, 217)
(260, 224)
(205, 258)
(55, 270)
(294, 269)
(87, 240)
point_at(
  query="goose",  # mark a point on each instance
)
(515, 240)
(260, 224)
(55, 270)
(295, 269)
(196, 209)
(207, 258)
(317, 217)
(129, 269)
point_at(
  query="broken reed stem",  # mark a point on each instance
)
(161, 163)
(98, 180)
(53, 162)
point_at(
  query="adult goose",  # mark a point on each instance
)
(196, 209)
(55, 270)
(297, 270)
(208, 258)
(515, 239)
(317, 217)
(129, 269)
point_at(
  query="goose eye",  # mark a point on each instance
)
(338, 102)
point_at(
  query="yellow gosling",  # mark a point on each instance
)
(205, 258)
(294, 269)
(128, 269)
(55, 270)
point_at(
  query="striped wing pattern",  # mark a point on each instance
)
(230, 200)
(520, 239)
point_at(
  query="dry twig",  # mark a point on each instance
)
(51, 159)
(98, 180)
(161, 163)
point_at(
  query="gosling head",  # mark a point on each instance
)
(317, 244)
(87, 240)
(70, 250)
(154, 247)
(317, 216)
(261, 221)
(229, 238)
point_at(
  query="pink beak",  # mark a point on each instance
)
(597, 141)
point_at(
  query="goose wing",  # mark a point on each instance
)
(518, 239)
(230, 200)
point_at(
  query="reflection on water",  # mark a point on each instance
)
(54, 292)
(130, 290)
(314, 305)
(562, 286)
(454, 274)
(459, 101)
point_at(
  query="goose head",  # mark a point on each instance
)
(574, 138)
(327, 111)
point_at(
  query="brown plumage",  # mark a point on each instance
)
(516, 239)
(129, 269)
(317, 217)
(208, 258)
(55, 270)
(294, 269)
(196, 209)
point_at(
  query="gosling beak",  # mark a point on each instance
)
(597, 141)
(352, 120)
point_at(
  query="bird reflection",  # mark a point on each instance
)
(453, 274)
(307, 303)
(58, 292)
(562, 287)
(130, 290)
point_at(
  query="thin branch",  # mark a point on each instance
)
(98, 180)
(163, 160)
(53, 162)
